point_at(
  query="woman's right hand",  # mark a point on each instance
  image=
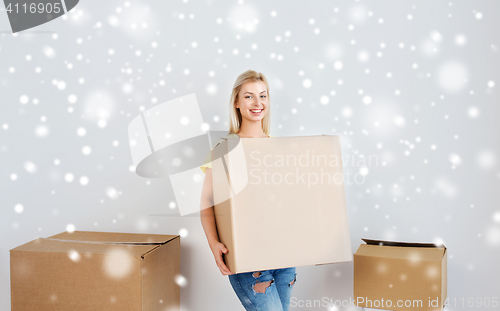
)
(218, 249)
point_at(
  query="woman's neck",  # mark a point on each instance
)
(245, 136)
(253, 130)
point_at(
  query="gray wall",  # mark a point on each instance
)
(412, 84)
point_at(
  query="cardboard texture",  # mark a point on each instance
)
(96, 271)
(280, 202)
(412, 276)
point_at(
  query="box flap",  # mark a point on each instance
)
(402, 244)
(43, 245)
(136, 245)
(401, 250)
(113, 237)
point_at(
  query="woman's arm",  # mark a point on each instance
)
(208, 222)
(207, 209)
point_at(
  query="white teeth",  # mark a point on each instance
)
(256, 110)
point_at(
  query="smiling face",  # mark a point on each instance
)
(253, 101)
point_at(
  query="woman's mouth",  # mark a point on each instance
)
(256, 111)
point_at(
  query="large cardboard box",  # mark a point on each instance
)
(96, 271)
(400, 275)
(280, 202)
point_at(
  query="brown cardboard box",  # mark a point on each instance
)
(280, 202)
(408, 276)
(96, 271)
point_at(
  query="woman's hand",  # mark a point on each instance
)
(218, 249)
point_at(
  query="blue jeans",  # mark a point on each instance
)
(272, 295)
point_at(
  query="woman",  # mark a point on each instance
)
(249, 118)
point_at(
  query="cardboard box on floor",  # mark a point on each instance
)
(96, 271)
(280, 202)
(408, 276)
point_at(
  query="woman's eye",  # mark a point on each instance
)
(247, 96)
(263, 95)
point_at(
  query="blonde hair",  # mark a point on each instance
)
(235, 118)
